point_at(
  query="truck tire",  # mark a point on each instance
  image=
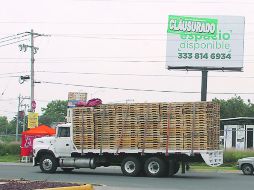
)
(247, 169)
(131, 166)
(174, 167)
(156, 167)
(48, 163)
(67, 170)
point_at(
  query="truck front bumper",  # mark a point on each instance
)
(34, 162)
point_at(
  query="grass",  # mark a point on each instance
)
(9, 158)
(12, 148)
(231, 156)
(205, 167)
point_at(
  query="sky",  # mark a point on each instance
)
(112, 44)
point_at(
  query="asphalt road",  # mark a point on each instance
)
(112, 178)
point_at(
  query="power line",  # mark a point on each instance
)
(124, 74)
(18, 41)
(146, 90)
(14, 38)
(131, 39)
(13, 73)
(104, 57)
(9, 77)
(176, 1)
(120, 61)
(14, 42)
(138, 75)
(104, 23)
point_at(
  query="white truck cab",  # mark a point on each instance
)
(48, 150)
(61, 144)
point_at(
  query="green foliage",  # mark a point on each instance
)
(7, 127)
(10, 158)
(235, 107)
(9, 149)
(231, 156)
(7, 138)
(54, 112)
(4, 124)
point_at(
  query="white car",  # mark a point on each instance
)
(246, 165)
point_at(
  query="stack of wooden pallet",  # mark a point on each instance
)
(165, 126)
(83, 128)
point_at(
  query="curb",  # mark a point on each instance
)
(216, 171)
(15, 164)
(82, 187)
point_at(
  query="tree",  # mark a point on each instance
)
(235, 107)
(54, 112)
(12, 126)
(4, 125)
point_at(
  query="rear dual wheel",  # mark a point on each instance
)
(156, 167)
(131, 166)
(153, 167)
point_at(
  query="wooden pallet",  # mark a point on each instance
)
(189, 125)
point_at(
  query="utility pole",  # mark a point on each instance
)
(24, 119)
(32, 69)
(17, 126)
(20, 100)
(33, 52)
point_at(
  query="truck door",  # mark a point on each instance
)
(63, 144)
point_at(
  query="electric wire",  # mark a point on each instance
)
(14, 42)
(12, 35)
(14, 38)
(146, 90)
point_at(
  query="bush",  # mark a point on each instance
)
(9, 149)
(7, 139)
(231, 156)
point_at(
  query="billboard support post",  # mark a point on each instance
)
(204, 85)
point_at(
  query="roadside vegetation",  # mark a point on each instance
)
(231, 156)
(229, 160)
(9, 151)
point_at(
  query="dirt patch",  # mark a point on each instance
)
(31, 185)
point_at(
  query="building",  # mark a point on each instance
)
(237, 133)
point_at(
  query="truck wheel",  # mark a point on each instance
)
(131, 166)
(247, 169)
(48, 163)
(156, 167)
(67, 170)
(176, 167)
(173, 167)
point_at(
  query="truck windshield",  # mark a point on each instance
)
(63, 132)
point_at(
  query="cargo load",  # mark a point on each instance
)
(143, 126)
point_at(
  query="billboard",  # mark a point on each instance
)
(32, 120)
(210, 42)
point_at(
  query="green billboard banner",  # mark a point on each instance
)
(192, 25)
